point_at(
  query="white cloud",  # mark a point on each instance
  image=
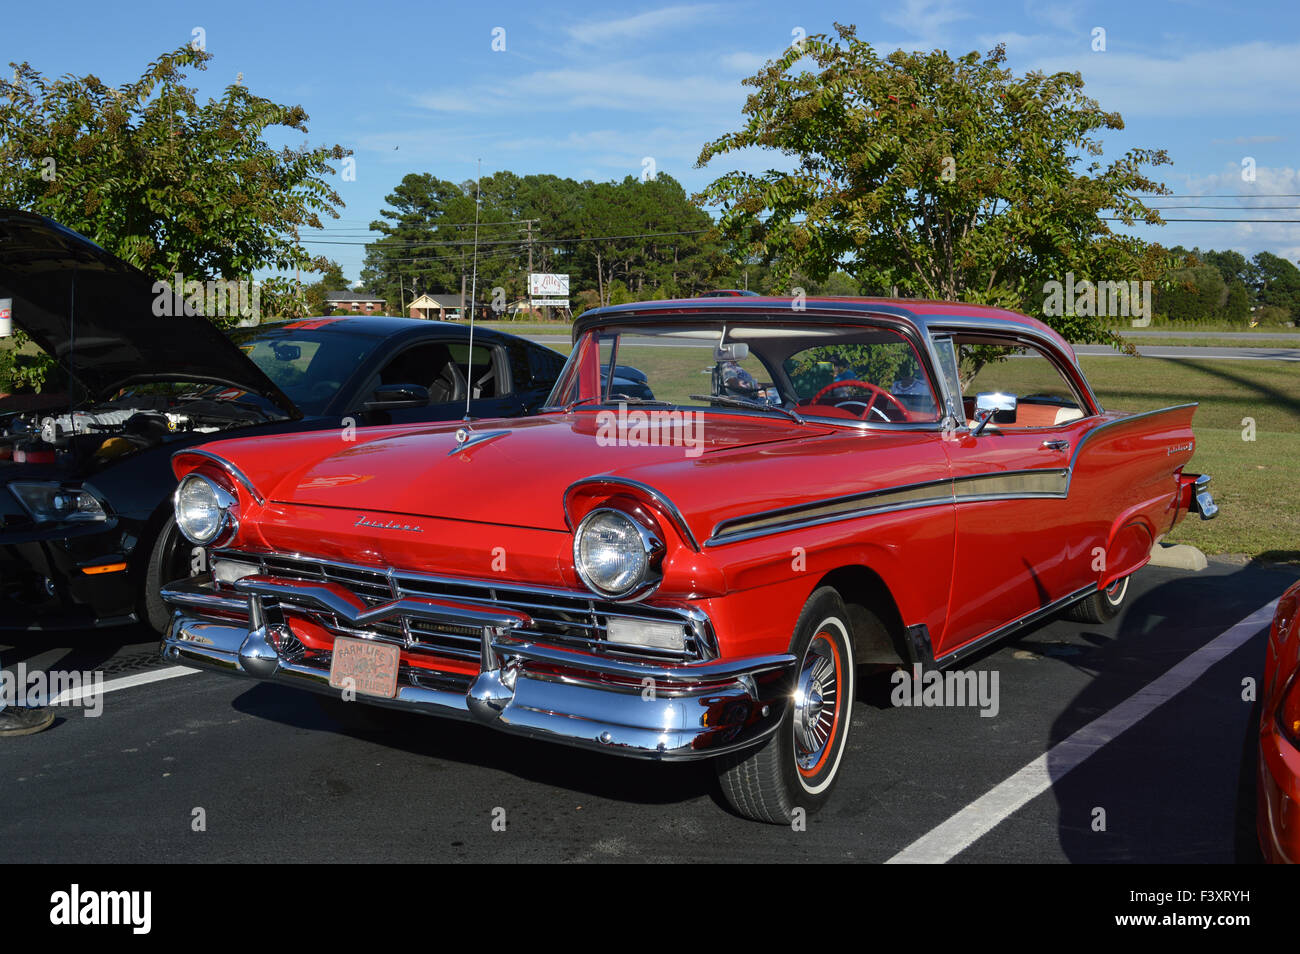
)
(642, 24)
(927, 19)
(616, 86)
(1256, 78)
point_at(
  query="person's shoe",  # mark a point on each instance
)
(19, 720)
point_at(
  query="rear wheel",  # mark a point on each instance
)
(1102, 606)
(798, 765)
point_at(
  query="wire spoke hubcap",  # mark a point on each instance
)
(816, 703)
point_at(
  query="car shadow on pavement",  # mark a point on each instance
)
(1179, 785)
(638, 781)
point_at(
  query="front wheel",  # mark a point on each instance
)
(798, 765)
(168, 560)
(1102, 606)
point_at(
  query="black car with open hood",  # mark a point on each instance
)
(85, 478)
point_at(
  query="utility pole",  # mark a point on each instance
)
(529, 223)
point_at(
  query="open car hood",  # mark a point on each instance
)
(94, 314)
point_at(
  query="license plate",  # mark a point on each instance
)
(366, 667)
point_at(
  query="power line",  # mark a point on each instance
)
(1109, 218)
(540, 240)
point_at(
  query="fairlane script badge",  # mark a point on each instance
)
(390, 525)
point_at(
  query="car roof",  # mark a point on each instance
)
(918, 311)
(380, 326)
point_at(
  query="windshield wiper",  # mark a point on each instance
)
(745, 402)
(629, 399)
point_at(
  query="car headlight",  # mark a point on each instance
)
(204, 510)
(615, 555)
(51, 502)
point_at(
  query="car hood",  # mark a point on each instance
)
(94, 314)
(518, 472)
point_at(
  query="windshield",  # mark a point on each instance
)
(845, 372)
(307, 364)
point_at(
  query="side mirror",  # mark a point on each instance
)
(398, 395)
(994, 406)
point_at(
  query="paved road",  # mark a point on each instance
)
(278, 777)
(1284, 333)
(1199, 352)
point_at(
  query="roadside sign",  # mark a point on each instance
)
(548, 286)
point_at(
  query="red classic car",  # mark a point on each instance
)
(696, 575)
(1278, 817)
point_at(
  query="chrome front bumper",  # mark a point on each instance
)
(626, 707)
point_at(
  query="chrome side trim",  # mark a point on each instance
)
(927, 494)
(675, 515)
(1029, 619)
(228, 467)
(1003, 485)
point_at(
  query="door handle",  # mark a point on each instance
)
(1056, 445)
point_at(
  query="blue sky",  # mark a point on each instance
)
(590, 90)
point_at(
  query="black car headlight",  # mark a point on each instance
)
(51, 502)
(615, 555)
(205, 510)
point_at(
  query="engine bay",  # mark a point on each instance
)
(82, 439)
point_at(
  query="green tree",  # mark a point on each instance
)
(159, 179)
(940, 178)
(1279, 284)
(332, 279)
(1195, 292)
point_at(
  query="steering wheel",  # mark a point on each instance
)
(868, 406)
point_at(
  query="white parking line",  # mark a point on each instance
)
(977, 819)
(125, 682)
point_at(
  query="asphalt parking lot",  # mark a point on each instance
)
(274, 775)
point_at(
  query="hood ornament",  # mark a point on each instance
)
(467, 439)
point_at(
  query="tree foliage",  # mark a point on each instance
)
(645, 239)
(158, 178)
(935, 177)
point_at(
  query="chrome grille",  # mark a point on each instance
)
(561, 618)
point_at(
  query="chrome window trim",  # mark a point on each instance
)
(1005, 328)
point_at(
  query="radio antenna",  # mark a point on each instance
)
(473, 292)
